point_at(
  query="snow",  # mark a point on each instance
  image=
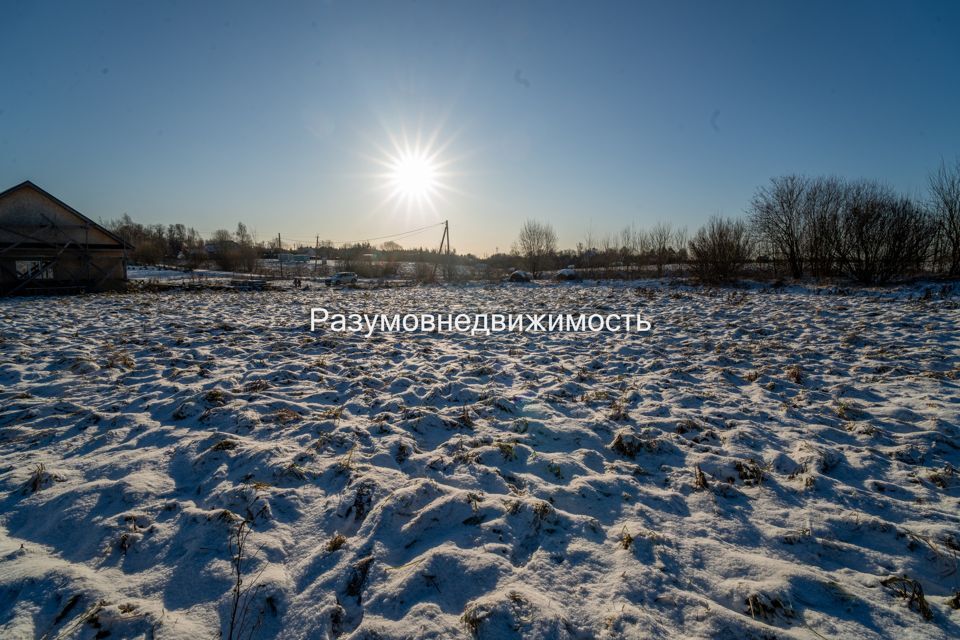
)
(160, 274)
(754, 466)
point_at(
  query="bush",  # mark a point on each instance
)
(777, 216)
(719, 249)
(824, 202)
(537, 244)
(882, 235)
(862, 229)
(944, 186)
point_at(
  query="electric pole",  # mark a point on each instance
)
(444, 238)
(446, 232)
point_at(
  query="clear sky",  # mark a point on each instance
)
(589, 115)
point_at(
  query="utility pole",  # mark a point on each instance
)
(444, 238)
(316, 256)
(279, 260)
(446, 232)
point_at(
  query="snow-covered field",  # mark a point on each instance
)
(157, 274)
(759, 465)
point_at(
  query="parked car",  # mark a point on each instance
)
(343, 277)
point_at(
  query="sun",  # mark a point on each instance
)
(415, 172)
(414, 176)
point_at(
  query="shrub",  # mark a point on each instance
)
(719, 249)
(882, 235)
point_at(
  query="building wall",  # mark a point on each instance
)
(30, 222)
(28, 212)
(103, 272)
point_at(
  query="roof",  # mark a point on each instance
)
(26, 184)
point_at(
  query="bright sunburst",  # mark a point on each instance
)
(415, 173)
(414, 176)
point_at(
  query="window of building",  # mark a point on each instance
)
(35, 269)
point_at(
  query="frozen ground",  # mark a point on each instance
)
(159, 274)
(758, 466)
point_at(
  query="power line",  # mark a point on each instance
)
(305, 239)
(391, 235)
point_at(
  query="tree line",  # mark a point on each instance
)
(798, 226)
(239, 251)
(795, 226)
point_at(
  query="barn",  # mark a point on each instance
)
(47, 246)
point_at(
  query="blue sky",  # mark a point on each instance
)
(589, 115)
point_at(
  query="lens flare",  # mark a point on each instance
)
(413, 177)
(415, 173)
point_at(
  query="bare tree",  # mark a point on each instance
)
(607, 257)
(536, 244)
(194, 249)
(944, 187)
(882, 235)
(777, 214)
(822, 208)
(680, 242)
(585, 251)
(627, 254)
(661, 235)
(719, 249)
(246, 251)
(639, 245)
(224, 250)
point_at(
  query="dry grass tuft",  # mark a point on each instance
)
(403, 453)
(750, 472)
(700, 478)
(216, 397)
(345, 464)
(911, 591)
(285, 416)
(618, 411)
(542, 510)
(794, 374)
(333, 413)
(295, 471)
(358, 578)
(36, 478)
(473, 617)
(256, 386)
(626, 540)
(943, 478)
(40, 478)
(761, 606)
(224, 445)
(629, 444)
(844, 410)
(119, 360)
(336, 542)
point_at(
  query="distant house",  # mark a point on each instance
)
(220, 246)
(47, 246)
